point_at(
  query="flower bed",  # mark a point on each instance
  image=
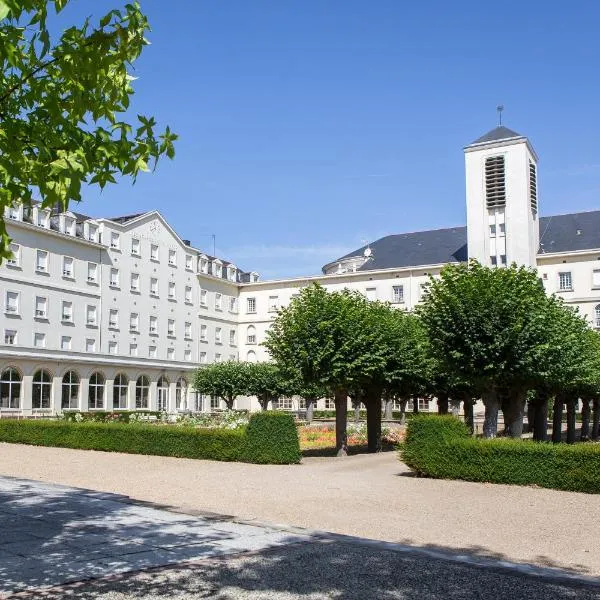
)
(319, 437)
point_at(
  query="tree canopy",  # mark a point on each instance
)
(226, 380)
(63, 101)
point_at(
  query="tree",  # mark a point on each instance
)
(265, 381)
(310, 393)
(62, 103)
(226, 380)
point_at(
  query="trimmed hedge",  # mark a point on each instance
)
(115, 416)
(441, 446)
(244, 444)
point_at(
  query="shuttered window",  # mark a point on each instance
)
(495, 184)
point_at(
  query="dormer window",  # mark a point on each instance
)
(217, 269)
(42, 218)
(92, 232)
(14, 213)
(495, 182)
(115, 240)
(204, 265)
(231, 271)
(69, 226)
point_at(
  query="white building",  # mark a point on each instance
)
(117, 313)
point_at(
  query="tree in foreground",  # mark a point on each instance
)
(265, 381)
(62, 102)
(226, 380)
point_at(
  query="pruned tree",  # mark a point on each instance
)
(226, 380)
(62, 105)
(266, 381)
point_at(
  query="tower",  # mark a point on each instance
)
(501, 190)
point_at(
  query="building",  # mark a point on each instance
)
(117, 313)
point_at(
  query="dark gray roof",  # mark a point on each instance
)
(125, 218)
(560, 233)
(496, 134)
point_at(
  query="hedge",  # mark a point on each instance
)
(118, 416)
(396, 414)
(244, 444)
(441, 446)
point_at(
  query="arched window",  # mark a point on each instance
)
(10, 388)
(597, 316)
(142, 392)
(96, 391)
(120, 391)
(251, 334)
(251, 356)
(162, 390)
(70, 390)
(41, 390)
(181, 394)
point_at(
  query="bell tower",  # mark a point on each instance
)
(502, 207)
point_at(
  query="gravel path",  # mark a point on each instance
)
(371, 496)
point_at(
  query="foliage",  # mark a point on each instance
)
(112, 417)
(61, 105)
(265, 381)
(227, 419)
(440, 446)
(272, 438)
(226, 380)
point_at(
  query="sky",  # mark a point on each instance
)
(310, 127)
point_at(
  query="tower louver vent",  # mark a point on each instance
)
(533, 186)
(495, 188)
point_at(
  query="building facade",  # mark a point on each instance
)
(103, 314)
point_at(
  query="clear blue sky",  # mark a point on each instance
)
(309, 126)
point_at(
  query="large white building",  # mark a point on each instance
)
(102, 314)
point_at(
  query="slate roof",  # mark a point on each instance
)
(559, 233)
(496, 134)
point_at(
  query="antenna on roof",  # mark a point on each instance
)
(500, 108)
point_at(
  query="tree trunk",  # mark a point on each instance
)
(442, 402)
(596, 419)
(415, 405)
(403, 402)
(490, 423)
(357, 404)
(389, 406)
(263, 400)
(557, 412)
(229, 402)
(513, 408)
(531, 408)
(571, 419)
(310, 406)
(469, 415)
(455, 407)
(540, 417)
(373, 402)
(341, 416)
(585, 419)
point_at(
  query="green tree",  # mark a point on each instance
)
(265, 381)
(226, 380)
(62, 103)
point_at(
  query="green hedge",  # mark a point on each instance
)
(396, 414)
(116, 416)
(244, 444)
(441, 446)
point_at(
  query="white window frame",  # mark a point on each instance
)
(134, 321)
(218, 301)
(187, 330)
(203, 298)
(187, 354)
(136, 245)
(68, 273)
(40, 313)
(172, 257)
(92, 272)
(114, 277)
(251, 305)
(90, 310)
(66, 311)
(42, 266)
(189, 262)
(90, 345)
(154, 253)
(273, 303)
(151, 351)
(171, 353)
(15, 260)
(113, 347)
(203, 332)
(113, 318)
(10, 337)
(8, 304)
(154, 286)
(232, 337)
(41, 337)
(115, 240)
(134, 279)
(65, 342)
(153, 325)
(563, 276)
(218, 335)
(171, 327)
(188, 294)
(172, 290)
(397, 294)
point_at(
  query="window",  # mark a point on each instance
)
(67, 311)
(494, 260)
(493, 230)
(171, 289)
(217, 358)
(188, 330)
(215, 403)
(371, 293)
(65, 342)
(92, 273)
(90, 345)
(67, 267)
(115, 240)
(39, 340)
(596, 278)
(283, 404)
(154, 325)
(135, 247)
(133, 349)
(232, 304)
(218, 339)
(218, 301)
(10, 337)
(189, 261)
(171, 353)
(153, 286)
(251, 334)
(41, 261)
(113, 347)
(92, 233)
(203, 297)
(15, 258)
(171, 327)
(329, 404)
(187, 355)
(13, 213)
(251, 356)
(10, 388)
(70, 390)
(422, 404)
(12, 303)
(134, 322)
(172, 257)
(533, 186)
(162, 390)
(96, 391)
(203, 357)
(41, 390)
(120, 391)
(231, 273)
(114, 277)
(41, 307)
(142, 392)
(135, 282)
(503, 259)
(273, 303)
(69, 226)
(42, 218)
(188, 294)
(232, 337)
(423, 289)
(564, 281)
(250, 305)
(181, 394)
(203, 332)
(152, 351)
(154, 252)
(233, 357)
(495, 189)
(502, 228)
(398, 294)
(218, 269)
(204, 265)
(113, 318)
(597, 316)
(90, 317)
